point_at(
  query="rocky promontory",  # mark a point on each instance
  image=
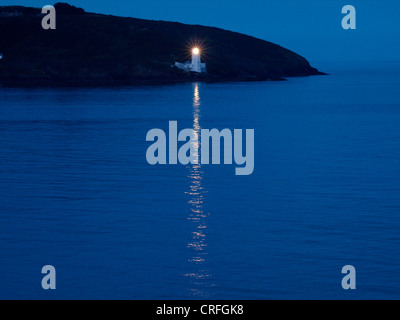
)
(95, 49)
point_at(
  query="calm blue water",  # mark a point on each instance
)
(77, 192)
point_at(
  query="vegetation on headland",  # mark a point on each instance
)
(96, 49)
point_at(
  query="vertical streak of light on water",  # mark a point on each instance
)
(199, 275)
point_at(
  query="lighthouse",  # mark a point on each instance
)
(196, 64)
(192, 66)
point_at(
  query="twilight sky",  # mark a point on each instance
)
(311, 28)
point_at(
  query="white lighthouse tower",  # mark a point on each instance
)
(196, 64)
(192, 66)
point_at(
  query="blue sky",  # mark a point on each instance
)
(311, 28)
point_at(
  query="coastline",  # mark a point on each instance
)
(88, 49)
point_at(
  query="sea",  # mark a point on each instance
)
(77, 192)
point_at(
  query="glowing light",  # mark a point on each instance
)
(196, 50)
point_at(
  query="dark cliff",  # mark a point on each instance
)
(94, 49)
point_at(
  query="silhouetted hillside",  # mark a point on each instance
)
(94, 49)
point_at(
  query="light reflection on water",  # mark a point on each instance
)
(199, 275)
(76, 190)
